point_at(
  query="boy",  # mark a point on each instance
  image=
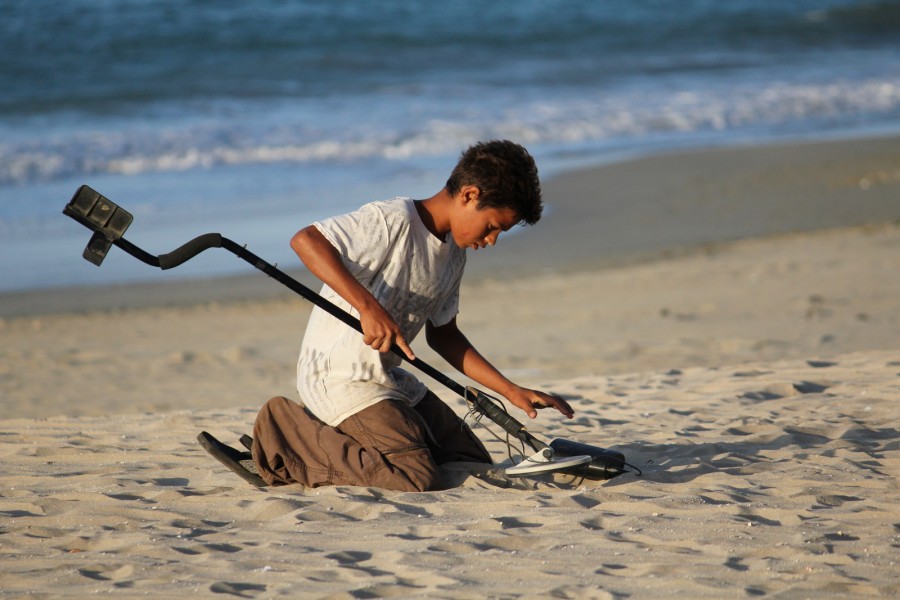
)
(397, 265)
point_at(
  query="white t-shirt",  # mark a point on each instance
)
(414, 275)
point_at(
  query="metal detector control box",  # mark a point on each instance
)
(105, 218)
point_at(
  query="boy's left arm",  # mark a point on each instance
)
(448, 341)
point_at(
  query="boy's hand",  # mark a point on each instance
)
(380, 331)
(530, 400)
(324, 261)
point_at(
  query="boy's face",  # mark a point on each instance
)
(473, 227)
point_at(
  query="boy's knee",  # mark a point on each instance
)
(410, 472)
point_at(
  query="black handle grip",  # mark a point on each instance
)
(189, 250)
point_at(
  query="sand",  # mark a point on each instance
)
(753, 376)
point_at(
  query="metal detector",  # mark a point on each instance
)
(109, 221)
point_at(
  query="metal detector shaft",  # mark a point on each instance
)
(109, 221)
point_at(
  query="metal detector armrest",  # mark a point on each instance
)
(105, 218)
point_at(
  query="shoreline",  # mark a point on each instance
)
(658, 205)
(638, 210)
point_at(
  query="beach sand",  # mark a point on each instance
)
(742, 353)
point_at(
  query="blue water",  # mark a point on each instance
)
(254, 118)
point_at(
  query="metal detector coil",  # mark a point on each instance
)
(545, 462)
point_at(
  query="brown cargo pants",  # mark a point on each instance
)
(388, 445)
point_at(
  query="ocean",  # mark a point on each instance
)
(255, 118)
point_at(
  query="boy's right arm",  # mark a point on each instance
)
(380, 331)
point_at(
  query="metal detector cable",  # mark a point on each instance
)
(477, 415)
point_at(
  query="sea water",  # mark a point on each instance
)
(255, 118)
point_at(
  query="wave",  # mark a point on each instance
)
(588, 118)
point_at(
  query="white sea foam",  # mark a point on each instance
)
(594, 117)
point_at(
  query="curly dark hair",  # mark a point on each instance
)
(506, 176)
